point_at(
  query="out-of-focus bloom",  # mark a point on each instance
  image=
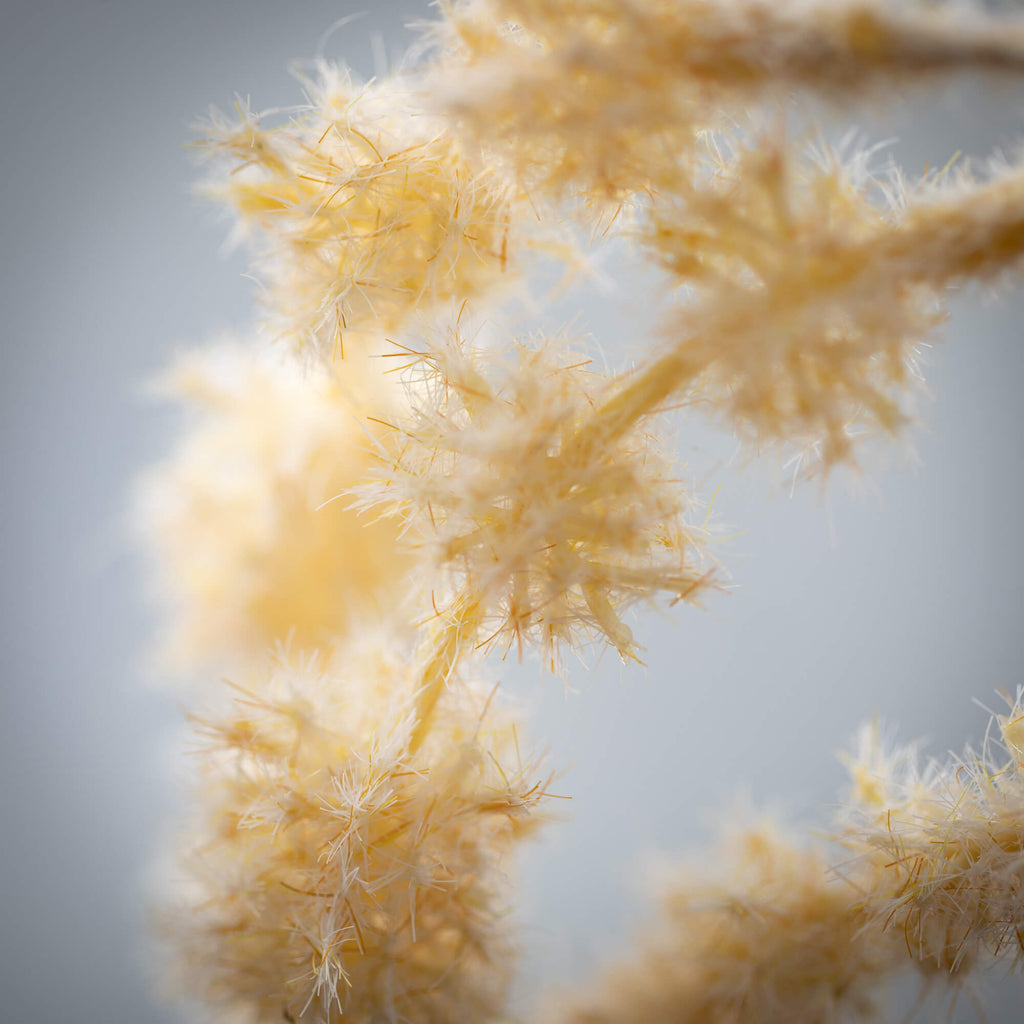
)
(606, 95)
(773, 938)
(940, 850)
(798, 328)
(252, 536)
(809, 297)
(338, 875)
(364, 210)
(551, 523)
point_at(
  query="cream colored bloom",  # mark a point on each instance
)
(807, 293)
(336, 874)
(605, 96)
(363, 209)
(770, 937)
(941, 849)
(358, 804)
(798, 328)
(548, 520)
(250, 531)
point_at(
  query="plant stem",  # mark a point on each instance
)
(459, 632)
(642, 396)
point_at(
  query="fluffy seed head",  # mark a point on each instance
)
(798, 328)
(943, 848)
(772, 939)
(337, 877)
(549, 86)
(364, 209)
(606, 96)
(252, 538)
(547, 523)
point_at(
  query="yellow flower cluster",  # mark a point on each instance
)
(605, 96)
(805, 292)
(795, 329)
(931, 875)
(360, 798)
(807, 286)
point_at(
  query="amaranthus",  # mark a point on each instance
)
(354, 518)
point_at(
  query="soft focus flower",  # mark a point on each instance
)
(253, 539)
(808, 289)
(772, 937)
(359, 799)
(797, 327)
(336, 874)
(548, 521)
(363, 210)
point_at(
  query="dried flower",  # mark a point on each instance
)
(358, 804)
(606, 96)
(365, 210)
(943, 847)
(772, 938)
(808, 292)
(799, 330)
(253, 538)
(550, 522)
(336, 873)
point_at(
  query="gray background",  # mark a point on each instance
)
(904, 598)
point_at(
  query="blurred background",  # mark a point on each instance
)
(900, 596)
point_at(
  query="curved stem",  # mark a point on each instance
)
(645, 391)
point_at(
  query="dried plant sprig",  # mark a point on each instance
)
(550, 521)
(809, 291)
(932, 876)
(252, 538)
(941, 847)
(800, 326)
(338, 874)
(363, 210)
(773, 937)
(606, 95)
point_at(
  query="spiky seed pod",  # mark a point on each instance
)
(252, 538)
(940, 849)
(771, 939)
(606, 95)
(363, 210)
(336, 876)
(550, 523)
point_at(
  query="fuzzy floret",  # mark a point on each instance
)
(606, 96)
(363, 210)
(547, 521)
(772, 938)
(337, 875)
(253, 539)
(943, 846)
